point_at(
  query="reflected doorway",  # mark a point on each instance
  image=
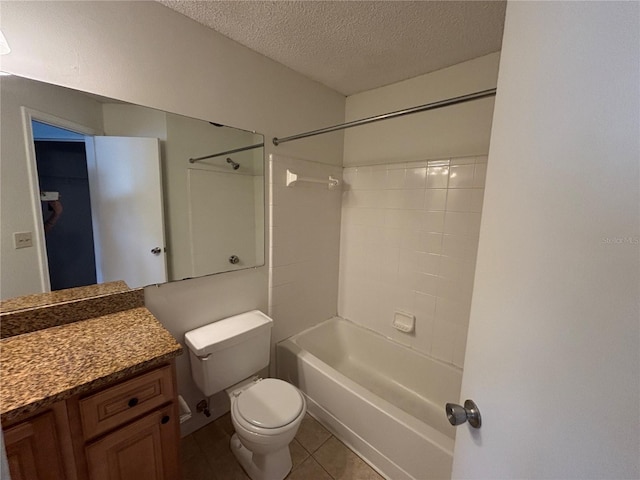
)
(61, 161)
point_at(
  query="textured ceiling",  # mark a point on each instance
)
(353, 46)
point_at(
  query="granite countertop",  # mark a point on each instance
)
(44, 310)
(58, 296)
(45, 366)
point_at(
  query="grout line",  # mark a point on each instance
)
(325, 470)
(318, 461)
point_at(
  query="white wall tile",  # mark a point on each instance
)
(479, 175)
(438, 177)
(413, 199)
(408, 242)
(459, 246)
(463, 161)
(461, 176)
(459, 200)
(435, 199)
(456, 223)
(393, 198)
(378, 178)
(305, 236)
(477, 197)
(433, 222)
(429, 263)
(415, 177)
(444, 337)
(432, 242)
(394, 178)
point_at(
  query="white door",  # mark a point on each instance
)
(553, 353)
(127, 209)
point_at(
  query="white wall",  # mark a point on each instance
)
(147, 54)
(457, 131)
(19, 274)
(553, 357)
(409, 239)
(122, 120)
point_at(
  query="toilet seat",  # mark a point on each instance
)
(268, 406)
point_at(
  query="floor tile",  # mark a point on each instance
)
(193, 464)
(309, 470)
(221, 460)
(196, 469)
(210, 433)
(206, 455)
(214, 444)
(311, 434)
(224, 422)
(342, 463)
(298, 454)
(189, 448)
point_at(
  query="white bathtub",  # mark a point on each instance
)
(383, 400)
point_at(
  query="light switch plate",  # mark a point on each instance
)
(22, 239)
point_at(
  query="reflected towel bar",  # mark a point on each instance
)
(227, 152)
(292, 178)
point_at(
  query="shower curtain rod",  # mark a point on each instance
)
(386, 116)
(235, 150)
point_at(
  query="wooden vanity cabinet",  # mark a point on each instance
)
(131, 430)
(126, 431)
(33, 451)
(39, 445)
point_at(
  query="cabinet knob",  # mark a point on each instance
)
(165, 419)
(133, 402)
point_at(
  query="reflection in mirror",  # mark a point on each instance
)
(95, 190)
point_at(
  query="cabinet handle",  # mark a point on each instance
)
(133, 402)
(165, 419)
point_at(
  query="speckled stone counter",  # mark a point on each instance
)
(45, 366)
(60, 296)
(45, 310)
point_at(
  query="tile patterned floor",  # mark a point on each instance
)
(315, 453)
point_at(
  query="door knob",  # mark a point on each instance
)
(156, 251)
(457, 414)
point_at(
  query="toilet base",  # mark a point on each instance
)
(273, 466)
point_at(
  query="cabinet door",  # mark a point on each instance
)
(33, 449)
(145, 449)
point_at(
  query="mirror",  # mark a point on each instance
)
(96, 190)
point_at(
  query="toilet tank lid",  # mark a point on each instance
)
(226, 332)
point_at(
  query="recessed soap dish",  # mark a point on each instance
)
(405, 322)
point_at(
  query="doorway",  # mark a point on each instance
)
(61, 162)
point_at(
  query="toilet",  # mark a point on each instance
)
(265, 412)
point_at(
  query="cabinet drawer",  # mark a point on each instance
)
(117, 405)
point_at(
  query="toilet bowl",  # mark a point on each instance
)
(266, 414)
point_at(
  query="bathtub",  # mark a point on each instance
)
(384, 400)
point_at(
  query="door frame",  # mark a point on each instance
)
(28, 115)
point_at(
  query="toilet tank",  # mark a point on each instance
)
(226, 352)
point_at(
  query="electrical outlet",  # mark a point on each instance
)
(22, 240)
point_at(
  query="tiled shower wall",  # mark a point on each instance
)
(305, 243)
(409, 240)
